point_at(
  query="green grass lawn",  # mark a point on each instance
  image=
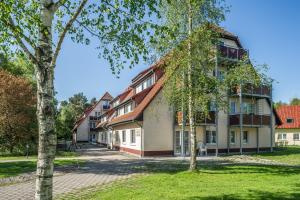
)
(8, 169)
(289, 155)
(209, 183)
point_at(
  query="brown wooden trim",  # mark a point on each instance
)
(128, 150)
(158, 153)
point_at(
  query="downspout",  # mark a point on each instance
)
(241, 120)
(271, 120)
(217, 110)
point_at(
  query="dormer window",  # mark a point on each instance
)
(289, 120)
(145, 84)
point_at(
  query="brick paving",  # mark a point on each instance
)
(104, 167)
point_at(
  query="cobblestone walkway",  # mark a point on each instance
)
(105, 169)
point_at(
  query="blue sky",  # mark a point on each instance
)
(268, 28)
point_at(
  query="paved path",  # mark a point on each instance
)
(104, 167)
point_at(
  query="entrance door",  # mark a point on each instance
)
(182, 143)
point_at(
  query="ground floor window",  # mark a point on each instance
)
(232, 137)
(282, 136)
(296, 136)
(124, 136)
(245, 137)
(132, 136)
(117, 136)
(211, 137)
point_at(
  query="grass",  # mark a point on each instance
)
(8, 169)
(210, 182)
(289, 155)
(59, 154)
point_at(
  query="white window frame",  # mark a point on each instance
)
(212, 136)
(132, 136)
(124, 136)
(117, 137)
(280, 136)
(297, 139)
(234, 133)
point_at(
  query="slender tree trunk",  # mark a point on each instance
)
(193, 161)
(45, 105)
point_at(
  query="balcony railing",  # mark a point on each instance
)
(251, 90)
(209, 120)
(250, 120)
(232, 53)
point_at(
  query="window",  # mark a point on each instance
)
(145, 84)
(221, 75)
(210, 137)
(132, 136)
(117, 136)
(296, 136)
(92, 124)
(212, 106)
(289, 120)
(282, 136)
(232, 107)
(127, 108)
(123, 136)
(232, 137)
(245, 137)
(248, 108)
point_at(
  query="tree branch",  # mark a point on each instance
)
(67, 27)
(15, 34)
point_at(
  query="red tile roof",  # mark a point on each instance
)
(136, 113)
(286, 112)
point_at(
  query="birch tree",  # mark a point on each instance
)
(189, 49)
(39, 27)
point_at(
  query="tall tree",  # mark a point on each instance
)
(295, 102)
(189, 48)
(120, 27)
(17, 112)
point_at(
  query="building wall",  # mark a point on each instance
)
(289, 136)
(127, 146)
(84, 128)
(158, 125)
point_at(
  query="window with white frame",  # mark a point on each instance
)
(232, 137)
(132, 136)
(212, 106)
(296, 136)
(245, 137)
(145, 84)
(232, 107)
(123, 136)
(211, 137)
(127, 108)
(248, 108)
(281, 136)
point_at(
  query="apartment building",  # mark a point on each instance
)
(141, 121)
(85, 127)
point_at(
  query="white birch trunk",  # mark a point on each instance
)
(193, 161)
(45, 105)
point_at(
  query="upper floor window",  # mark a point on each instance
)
(232, 107)
(97, 114)
(212, 106)
(289, 120)
(248, 108)
(116, 103)
(127, 108)
(221, 74)
(92, 124)
(145, 84)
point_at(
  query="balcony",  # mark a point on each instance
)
(250, 120)
(250, 90)
(232, 53)
(106, 107)
(209, 120)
